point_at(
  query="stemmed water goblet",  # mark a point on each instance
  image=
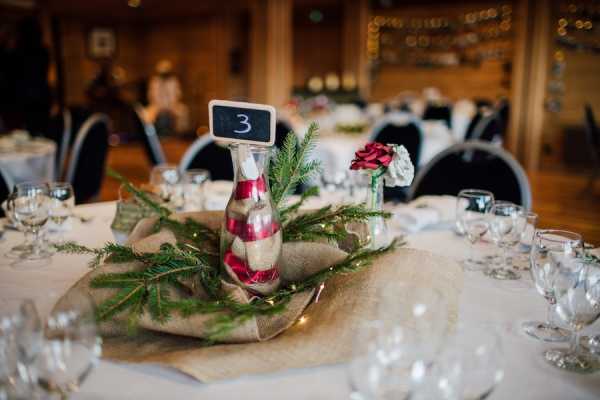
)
(62, 201)
(550, 249)
(507, 222)
(471, 208)
(577, 292)
(165, 179)
(526, 241)
(24, 247)
(193, 188)
(30, 207)
(71, 346)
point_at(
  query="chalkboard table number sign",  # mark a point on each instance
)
(245, 123)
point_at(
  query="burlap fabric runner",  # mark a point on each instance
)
(323, 335)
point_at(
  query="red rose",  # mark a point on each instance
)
(373, 156)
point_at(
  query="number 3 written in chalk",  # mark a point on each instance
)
(244, 121)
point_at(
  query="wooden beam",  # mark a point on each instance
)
(536, 82)
(271, 51)
(354, 49)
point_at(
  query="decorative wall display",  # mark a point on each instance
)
(576, 30)
(102, 43)
(441, 41)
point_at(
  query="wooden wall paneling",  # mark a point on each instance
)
(271, 51)
(537, 79)
(354, 49)
(520, 76)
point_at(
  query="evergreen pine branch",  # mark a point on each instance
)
(139, 194)
(158, 301)
(285, 212)
(291, 166)
(190, 230)
(117, 253)
(126, 297)
(327, 222)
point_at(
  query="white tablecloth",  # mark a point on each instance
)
(32, 161)
(336, 150)
(483, 300)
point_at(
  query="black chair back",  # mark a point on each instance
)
(88, 158)
(282, 128)
(205, 153)
(438, 113)
(488, 129)
(147, 133)
(60, 130)
(5, 189)
(474, 164)
(503, 115)
(471, 128)
(409, 136)
(592, 135)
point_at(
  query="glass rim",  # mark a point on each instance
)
(253, 147)
(568, 236)
(473, 192)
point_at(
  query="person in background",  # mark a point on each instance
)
(25, 80)
(165, 108)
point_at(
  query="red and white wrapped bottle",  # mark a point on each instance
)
(251, 233)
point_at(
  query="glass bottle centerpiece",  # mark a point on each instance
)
(251, 233)
(384, 163)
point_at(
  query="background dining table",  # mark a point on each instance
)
(504, 305)
(30, 160)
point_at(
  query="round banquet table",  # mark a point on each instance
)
(336, 150)
(30, 161)
(482, 301)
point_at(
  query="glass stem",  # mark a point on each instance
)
(36, 242)
(574, 344)
(550, 314)
(505, 258)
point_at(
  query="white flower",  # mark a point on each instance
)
(401, 171)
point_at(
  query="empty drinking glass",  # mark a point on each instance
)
(478, 349)
(577, 292)
(549, 250)
(31, 210)
(26, 246)
(165, 179)
(507, 222)
(71, 348)
(522, 260)
(471, 208)
(364, 372)
(193, 188)
(62, 201)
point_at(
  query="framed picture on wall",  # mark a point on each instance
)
(102, 43)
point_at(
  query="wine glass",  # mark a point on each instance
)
(577, 292)
(193, 188)
(507, 222)
(62, 201)
(165, 179)
(471, 208)
(478, 350)
(526, 240)
(550, 248)
(8, 357)
(31, 210)
(364, 372)
(26, 246)
(71, 348)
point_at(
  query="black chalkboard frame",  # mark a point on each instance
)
(244, 105)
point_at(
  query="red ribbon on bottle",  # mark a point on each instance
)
(250, 188)
(250, 232)
(247, 275)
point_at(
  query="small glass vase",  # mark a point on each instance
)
(378, 229)
(251, 233)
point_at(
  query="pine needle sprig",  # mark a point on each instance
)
(139, 194)
(327, 222)
(117, 253)
(291, 166)
(285, 212)
(190, 231)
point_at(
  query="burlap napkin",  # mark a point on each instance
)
(303, 336)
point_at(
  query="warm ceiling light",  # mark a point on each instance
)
(134, 3)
